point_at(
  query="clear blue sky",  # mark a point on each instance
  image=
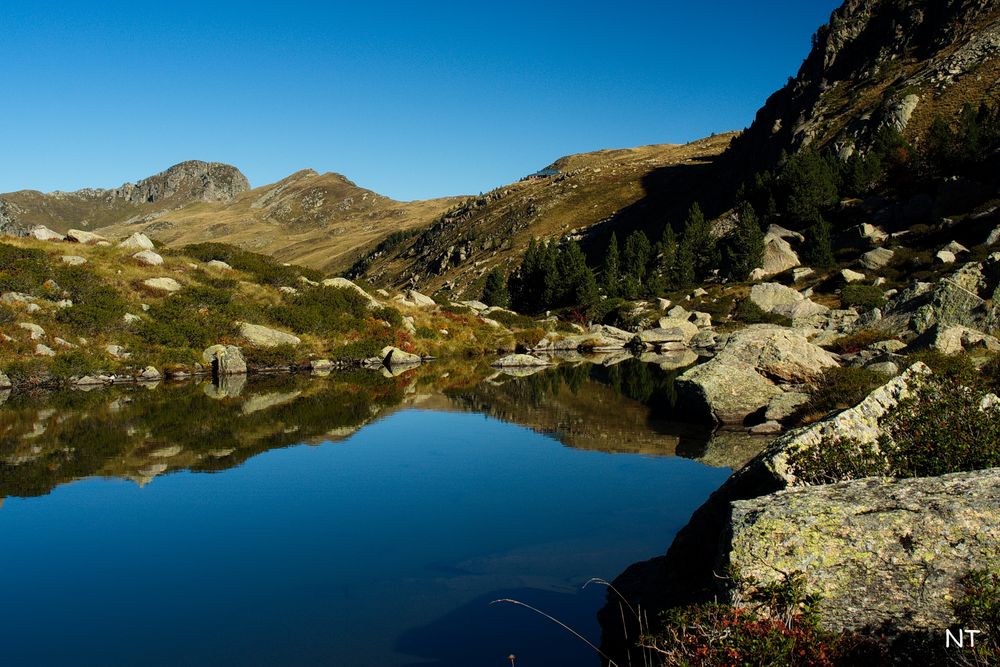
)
(411, 99)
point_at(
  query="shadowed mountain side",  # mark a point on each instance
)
(588, 191)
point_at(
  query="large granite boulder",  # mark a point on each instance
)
(224, 360)
(876, 551)
(521, 361)
(137, 241)
(43, 233)
(968, 297)
(261, 336)
(726, 392)
(84, 237)
(742, 378)
(393, 356)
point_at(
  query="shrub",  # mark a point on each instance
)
(322, 310)
(266, 270)
(865, 297)
(23, 269)
(75, 363)
(841, 388)
(779, 626)
(748, 312)
(859, 341)
(979, 608)
(837, 460)
(941, 429)
(281, 356)
(96, 309)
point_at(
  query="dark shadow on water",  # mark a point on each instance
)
(480, 633)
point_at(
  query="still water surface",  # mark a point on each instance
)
(379, 541)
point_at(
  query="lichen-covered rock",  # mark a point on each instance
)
(393, 356)
(73, 260)
(520, 361)
(874, 550)
(224, 360)
(163, 284)
(954, 339)
(769, 296)
(148, 258)
(258, 334)
(741, 379)
(726, 391)
(877, 259)
(137, 241)
(43, 233)
(418, 299)
(5, 382)
(220, 265)
(850, 276)
(680, 323)
(779, 353)
(84, 237)
(967, 297)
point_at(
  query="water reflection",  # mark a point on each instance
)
(139, 433)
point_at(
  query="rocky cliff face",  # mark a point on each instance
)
(178, 186)
(193, 180)
(877, 64)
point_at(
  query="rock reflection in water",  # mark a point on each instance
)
(139, 433)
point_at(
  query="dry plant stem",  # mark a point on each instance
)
(611, 663)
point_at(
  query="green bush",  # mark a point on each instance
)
(979, 608)
(195, 317)
(748, 312)
(23, 269)
(266, 270)
(280, 356)
(75, 363)
(940, 429)
(322, 310)
(864, 297)
(97, 308)
(841, 388)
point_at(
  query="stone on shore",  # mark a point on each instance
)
(261, 336)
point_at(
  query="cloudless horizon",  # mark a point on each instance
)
(412, 100)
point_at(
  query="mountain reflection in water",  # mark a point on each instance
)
(138, 433)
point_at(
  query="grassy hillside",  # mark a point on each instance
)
(72, 310)
(323, 221)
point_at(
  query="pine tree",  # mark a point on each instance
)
(810, 182)
(818, 249)
(745, 249)
(495, 289)
(579, 287)
(636, 256)
(611, 275)
(683, 270)
(701, 244)
(665, 253)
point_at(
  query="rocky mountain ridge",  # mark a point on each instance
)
(880, 64)
(181, 184)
